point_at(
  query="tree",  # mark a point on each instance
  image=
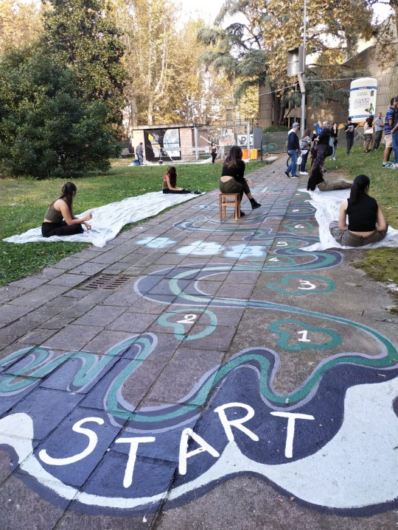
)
(46, 129)
(81, 35)
(255, 51)
(20, 24)
(150, 42)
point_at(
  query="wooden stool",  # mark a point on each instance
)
(224, 202)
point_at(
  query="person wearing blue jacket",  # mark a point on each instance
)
(293, 148)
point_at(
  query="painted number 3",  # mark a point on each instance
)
(306, 285)
(188, 319)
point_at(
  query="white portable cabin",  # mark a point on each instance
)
(363, 93)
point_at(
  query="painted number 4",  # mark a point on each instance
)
(303, 336)
(188, 319)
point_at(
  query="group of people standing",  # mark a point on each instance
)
(324, 142)
(361, 221)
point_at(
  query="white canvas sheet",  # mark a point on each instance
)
(108, 220)
(327, 206)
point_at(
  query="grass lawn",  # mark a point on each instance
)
(23, 203)
(382, 263)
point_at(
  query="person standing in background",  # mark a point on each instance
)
(323, 143)
(387, 133)
(305, 146)
(349, 130)
(394, 134)
(378, 128)
(318, 128)
(368, 134)
(213, 150)
(140, 153)
(334, 133)
(293, 148)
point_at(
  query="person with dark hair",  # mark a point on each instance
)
(305, 146)
(232, 177)
(323, 144)
(316, 180)
(349, 130)
(394, 133)
(334, 139)
(368, 134)
(378, 125)
(59, 219)
(293, 149)
(213, 150)
(170, 182)
(387, 132)
(140, 153)
(366, 222)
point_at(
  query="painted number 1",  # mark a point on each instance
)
(188, 319)
(304, 336)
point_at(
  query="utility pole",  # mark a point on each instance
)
(302, 76)
(296, 66)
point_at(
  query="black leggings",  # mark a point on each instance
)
(60, 229)
(166, 190)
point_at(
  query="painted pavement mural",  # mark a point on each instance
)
(316, 442)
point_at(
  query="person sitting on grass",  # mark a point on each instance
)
(232, 177)
(170, 183)
(59, 219)
(366, 222)
(316, 180)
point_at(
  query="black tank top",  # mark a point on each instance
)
(362, 215)
(236, 171)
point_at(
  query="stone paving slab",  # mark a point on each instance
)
(234, 381)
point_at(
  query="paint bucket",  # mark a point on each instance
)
(245, 154)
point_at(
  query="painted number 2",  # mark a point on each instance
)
(304, 336)
(188, 319)
(306, 285)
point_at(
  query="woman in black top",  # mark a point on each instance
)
(323, 143)
(59, 219)
(232, 177)
(169, 184)
(366, 222)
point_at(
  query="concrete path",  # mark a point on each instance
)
(202, 375)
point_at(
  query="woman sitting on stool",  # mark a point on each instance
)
(232, 180)
(316, 179)
(170, 182)
(366, 222)
(59, 219)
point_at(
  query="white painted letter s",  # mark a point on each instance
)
(93, 440)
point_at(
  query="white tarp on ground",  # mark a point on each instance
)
(327, 206)
(108, 220)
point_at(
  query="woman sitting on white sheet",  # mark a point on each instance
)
(366, 222)
(170, 182)
(316, 179)
(59, 219)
